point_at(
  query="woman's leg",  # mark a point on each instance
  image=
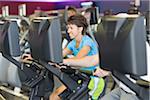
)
(55, 94)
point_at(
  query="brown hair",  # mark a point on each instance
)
(78, 20)
(72, 8)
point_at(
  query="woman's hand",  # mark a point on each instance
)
(65, 61)
(26, 57)
(101, 73)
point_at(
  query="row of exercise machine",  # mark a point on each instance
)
(122, 51)
(35, 77)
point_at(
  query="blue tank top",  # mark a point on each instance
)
(86, 41)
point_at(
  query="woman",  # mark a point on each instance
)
(81, 46)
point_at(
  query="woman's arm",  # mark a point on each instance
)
(79, 60)
(66, 51)
(86, 61)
